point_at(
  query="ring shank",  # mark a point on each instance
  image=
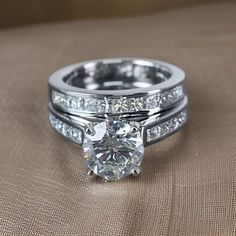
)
(117, 86)
(117, 74)
(62, 80)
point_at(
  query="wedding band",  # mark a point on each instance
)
(117, 86)
(113, 108)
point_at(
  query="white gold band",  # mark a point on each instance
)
(117, 86)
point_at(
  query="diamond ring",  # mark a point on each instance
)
(113, 108)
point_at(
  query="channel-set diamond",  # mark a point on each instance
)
(121, 104)
(152, 101)
(94, 105)
(171, 96)
(66, 101)
(169, 126)
(136, 104)
(66, 130)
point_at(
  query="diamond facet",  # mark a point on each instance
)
(66, 130)
(94, 105)
(152, 101)
(115, 150)
(166, 127)
(136, 104)
(119, 105)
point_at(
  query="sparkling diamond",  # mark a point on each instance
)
(64, 129)
(152, 101)
(52, 119)
(69, 132)
(166, 99)
(94, 105)
(75, 103)
(58, 125)
(76, 135)
(178, 92)
(166, 127)
(171, 96)
(56, 97)
(174, 124)
(60, 99)
(115, 148)
(182, 117)
(136, 104)
(119, 105)
(153, 133)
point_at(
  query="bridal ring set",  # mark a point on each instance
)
(113, 108)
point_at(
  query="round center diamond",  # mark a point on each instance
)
(114, 148)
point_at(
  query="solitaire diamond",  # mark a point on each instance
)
(114, 148)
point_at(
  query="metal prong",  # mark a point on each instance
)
(86, 156)
(137, 171)
(105, 180)
(134, 129)
(90, 131)
(90, 173)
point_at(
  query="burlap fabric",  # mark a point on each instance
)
(188, 182)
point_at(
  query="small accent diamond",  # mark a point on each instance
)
(63, 129)
(94, 105)
(136, 104)
(58, 125)
(66, 130)
(153, 133)
(166, 99)
(67, 101)
(166, 127)
(75, 103)
(171, 96)
(56, 97)
(152, 101)
(59, 99)
(119, 105)
(77, 135)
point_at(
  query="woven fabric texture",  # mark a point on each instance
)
(187, 186)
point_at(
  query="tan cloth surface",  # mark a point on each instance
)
(13, 12)
(188, 182)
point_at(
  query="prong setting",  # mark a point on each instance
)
(137, 171)
(90, 173)
(90, 130)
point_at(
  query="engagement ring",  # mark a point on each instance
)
(113, 108)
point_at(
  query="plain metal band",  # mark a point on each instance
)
(171, 122)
